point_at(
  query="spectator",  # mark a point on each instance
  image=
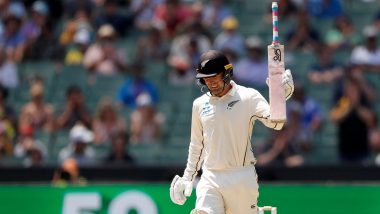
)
(76, 53)
(231, 55)
(214, 13)
(4, 7)
(14, 7)
(119, 152)
(304, 36)
(354, 118)
(8, 71)
(169, 16)
(68, 173)
(110, 15)
(7, 112)
(190, 44)
(196, 9)
(325, 71)
(152, 47)
(145, 121)
(12, 39)
(7, 134)
(368, 55)
(355, 73)
(37, 115)
(325, 8)
(230, 38)
(143, 11)
(33, 27)
(343, 36)
(103, 57)
(107, 124)
(75, 110)
(7, 125)
(72, 7)
(46, 45)
(80, 22)
(35, 157)
(304, 113)
(136, 85)
(286, 9)
(181, 73)
(33, 152)
(79, 146)
(289, 144)
(253, 69)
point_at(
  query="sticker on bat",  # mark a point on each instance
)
(277, 55)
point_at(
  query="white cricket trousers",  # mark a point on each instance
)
(228, 192)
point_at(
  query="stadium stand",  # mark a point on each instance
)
(175, 101)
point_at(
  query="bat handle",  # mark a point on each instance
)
(275, 23)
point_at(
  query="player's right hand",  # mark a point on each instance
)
(180, 189)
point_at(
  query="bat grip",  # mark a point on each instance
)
(275, 23)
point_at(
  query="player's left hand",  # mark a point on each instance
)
(180, 189)
(287, 83)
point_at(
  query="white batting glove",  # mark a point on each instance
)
(180, 189)
(287, 83)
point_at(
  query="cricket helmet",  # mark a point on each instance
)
(212, 63)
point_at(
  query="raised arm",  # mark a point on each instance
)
(260, 111)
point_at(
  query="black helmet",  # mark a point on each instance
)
(212, 63)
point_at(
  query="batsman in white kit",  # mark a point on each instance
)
(222, 123)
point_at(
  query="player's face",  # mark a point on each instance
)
(215, 84)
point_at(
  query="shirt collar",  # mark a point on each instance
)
(231, 92)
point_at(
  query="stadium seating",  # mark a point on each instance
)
(175, 101)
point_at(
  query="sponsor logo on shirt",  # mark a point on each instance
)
(231, 104)
(207, 109)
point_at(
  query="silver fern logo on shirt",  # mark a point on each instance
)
(231, 104)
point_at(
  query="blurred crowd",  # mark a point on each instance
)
(88, 33)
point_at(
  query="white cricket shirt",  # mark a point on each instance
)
(221, 129)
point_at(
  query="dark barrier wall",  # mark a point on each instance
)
(129, 173)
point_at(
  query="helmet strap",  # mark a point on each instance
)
(227, 78)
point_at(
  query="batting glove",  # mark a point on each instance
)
(287, 83)
(180, 189)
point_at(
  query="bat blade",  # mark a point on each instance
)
(276, 68)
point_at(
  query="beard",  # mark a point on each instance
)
(216, 91)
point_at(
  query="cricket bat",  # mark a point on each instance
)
(276, 68)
